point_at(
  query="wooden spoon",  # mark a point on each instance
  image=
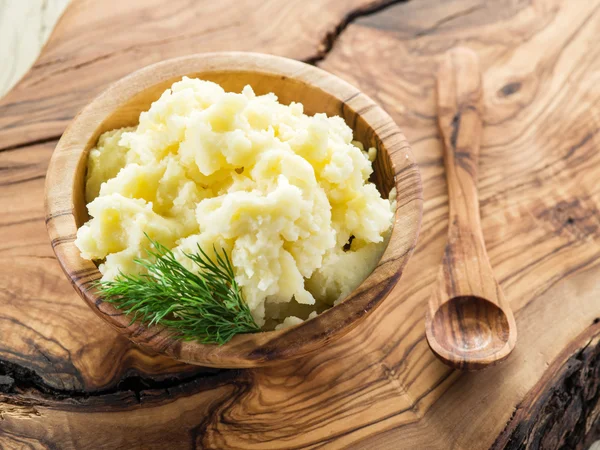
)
(469, 324)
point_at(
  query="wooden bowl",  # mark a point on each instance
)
(319, 91)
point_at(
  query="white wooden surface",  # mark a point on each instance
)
(25, 25)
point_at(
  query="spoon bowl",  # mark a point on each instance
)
(470, 328)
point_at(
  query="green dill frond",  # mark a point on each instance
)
(206, 306)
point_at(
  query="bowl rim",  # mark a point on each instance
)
(245, 350)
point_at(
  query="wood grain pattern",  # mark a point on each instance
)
(379, 387)
(567, 415)
(539, 205)
(469, 325)
(319, 92)
(98, 42)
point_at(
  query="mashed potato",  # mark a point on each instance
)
(280, 191)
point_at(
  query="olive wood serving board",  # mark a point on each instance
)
(68, 381)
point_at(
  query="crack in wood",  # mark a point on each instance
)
(332, 36)
(17, 382)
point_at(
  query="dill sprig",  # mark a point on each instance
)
(206, 306)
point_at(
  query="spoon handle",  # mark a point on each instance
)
(460, 109)
(459, 117)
